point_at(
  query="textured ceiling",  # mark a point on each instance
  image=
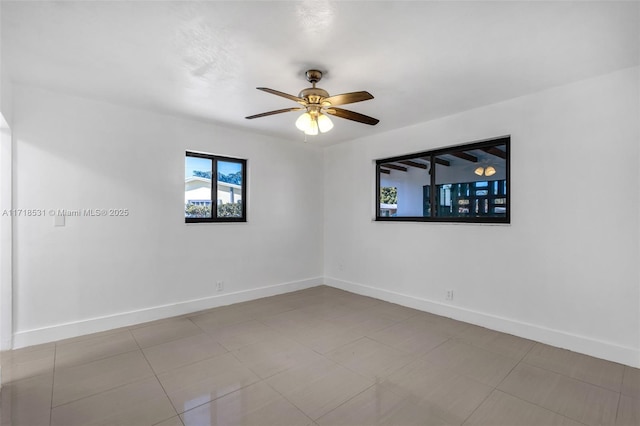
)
(421, 60)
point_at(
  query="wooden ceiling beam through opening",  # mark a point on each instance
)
(414, 164)
(495, 151)
(465, 156)
(438, 161)
(394, 167)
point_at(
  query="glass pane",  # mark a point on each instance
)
(470, 182)
(197, 187)
(404, 188)
(229, 196)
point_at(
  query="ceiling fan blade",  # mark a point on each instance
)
(284, 95)
(350, 115)
(347, 98)
(279, 111)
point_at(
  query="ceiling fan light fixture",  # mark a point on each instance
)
(489, 171)
(303, 122)
(324, 123)
(479, 171)
(312, 130)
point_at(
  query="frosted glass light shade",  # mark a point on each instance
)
(489, 171)
(313, 128)
(304, 122)
(324, 123)
(479, 171)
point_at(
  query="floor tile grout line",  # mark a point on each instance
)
(528, 352)
(478, 406)
(407, 352)
(288, 400)
(569, 377)
(185, 365)
(495, 352)
(155, 375)
(189, 364)
(635, 396)
(8, 369)
(53, 381)
(414, 358)
(375, 383)
(508, 374)
(102, 358)
(495, 388)
(208, 402)
(116, 387)
(523, 362)
(104, 391)
(540, 406)
(217, 398)
(536, 404)
(167, 341)
(615, 420)
(581, 355)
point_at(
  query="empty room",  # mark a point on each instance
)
(423, 213)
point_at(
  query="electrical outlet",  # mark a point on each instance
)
(449, 295)
(219, 285)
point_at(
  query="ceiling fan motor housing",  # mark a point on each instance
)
(313, 94)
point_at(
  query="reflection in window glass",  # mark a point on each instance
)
(229, 189)
(466, 183)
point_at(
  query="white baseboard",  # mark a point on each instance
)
(93, 325)
(582, 344)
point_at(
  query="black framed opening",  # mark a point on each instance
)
(467, 183)
(215, 188)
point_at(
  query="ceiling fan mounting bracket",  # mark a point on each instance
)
(313, 76)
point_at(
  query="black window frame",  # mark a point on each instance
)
(214, 189)
(503, 140)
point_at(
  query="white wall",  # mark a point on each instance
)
(569, 265)
(6, 97)
(6, 225)
(567, 269)
(6, 115)
(102, 272)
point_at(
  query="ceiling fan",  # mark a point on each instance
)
(317, 103)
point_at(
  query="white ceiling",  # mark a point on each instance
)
(420, 59)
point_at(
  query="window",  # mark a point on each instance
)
(223, 199)
(466, 183)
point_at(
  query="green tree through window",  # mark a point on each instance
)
(389, 195)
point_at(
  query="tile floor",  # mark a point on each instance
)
(320, 356)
